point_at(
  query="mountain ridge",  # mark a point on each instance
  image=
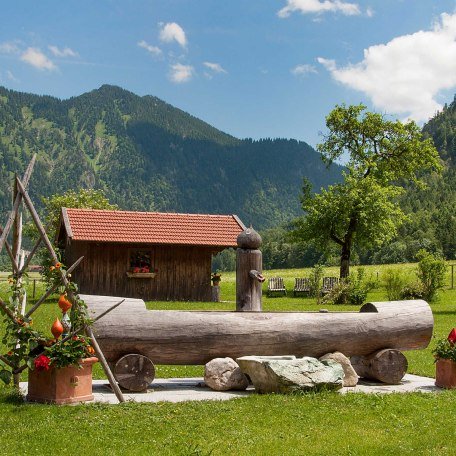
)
(148, 155)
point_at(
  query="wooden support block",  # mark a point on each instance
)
(387, 365)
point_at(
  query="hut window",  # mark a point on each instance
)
(140, 261)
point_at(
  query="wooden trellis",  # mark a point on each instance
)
(21, 196)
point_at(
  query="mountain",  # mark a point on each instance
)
(148, 155)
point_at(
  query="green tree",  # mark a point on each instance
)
(363, 208)
(83, 198)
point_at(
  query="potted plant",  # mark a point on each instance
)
(62, 374)
(60, 369)
(216, 277)
(445, 359)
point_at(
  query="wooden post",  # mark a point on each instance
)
(249, 266)
(34, 288)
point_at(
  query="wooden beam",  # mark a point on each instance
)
(17, 202)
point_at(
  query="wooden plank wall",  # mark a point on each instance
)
(183, 272)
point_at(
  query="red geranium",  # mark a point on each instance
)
(452, 336)
(42, 363)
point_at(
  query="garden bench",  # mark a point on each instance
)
(328, 284)
(276, 285)
(302, 285)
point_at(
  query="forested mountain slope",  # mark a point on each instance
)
(432, 211)
(149, 155)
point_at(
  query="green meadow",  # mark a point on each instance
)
(324, 423)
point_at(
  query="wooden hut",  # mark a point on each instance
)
(148, 255)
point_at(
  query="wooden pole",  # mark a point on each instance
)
(102, 359)
(17, 202)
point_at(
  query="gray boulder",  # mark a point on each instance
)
(350, 375)
(270, 375)
(223, 374)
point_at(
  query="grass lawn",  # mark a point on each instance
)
(324, 423)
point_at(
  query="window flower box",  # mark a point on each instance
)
(141, 275)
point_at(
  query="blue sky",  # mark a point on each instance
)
(252, 68)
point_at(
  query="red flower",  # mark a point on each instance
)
(452, 336)
(42, 363)
(135, 270)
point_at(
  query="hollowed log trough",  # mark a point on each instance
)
(196, 337)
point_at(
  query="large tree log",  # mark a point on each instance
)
(193, 337)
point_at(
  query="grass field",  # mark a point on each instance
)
(324, 423)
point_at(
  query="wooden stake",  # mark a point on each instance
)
(107, 370)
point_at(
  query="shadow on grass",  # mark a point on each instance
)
(444, 312)
(11, 396)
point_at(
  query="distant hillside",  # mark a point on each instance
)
(149, 155)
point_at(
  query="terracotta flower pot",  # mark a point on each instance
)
(445, 373)
(62, 386)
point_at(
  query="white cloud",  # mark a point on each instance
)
(34, 57)
(65, 52)
(370, 12)
(173, 32)
(8, 48)
(303, 69)
(154, 50)
(215, 67)
(319, 7)
(406, 74)
(181, 73)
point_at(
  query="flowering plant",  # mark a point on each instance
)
(446, 348)
(31, 348)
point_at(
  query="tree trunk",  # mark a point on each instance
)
(346, 249)
(345, 261)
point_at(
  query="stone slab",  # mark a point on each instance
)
(193, 389)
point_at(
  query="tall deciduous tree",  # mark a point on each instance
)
(381, 154)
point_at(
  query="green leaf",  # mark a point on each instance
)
(6, 376)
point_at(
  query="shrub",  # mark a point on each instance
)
(394, 282)
(352, 290)
(316, 275)
(412, 291)
(431, 273)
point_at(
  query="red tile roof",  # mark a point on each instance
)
(151, 227)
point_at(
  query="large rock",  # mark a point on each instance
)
(350, 375)
(223, 374)
(270, 375)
